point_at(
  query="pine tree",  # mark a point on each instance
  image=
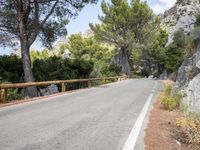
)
(25, 21)
(124, 25)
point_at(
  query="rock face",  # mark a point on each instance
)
(52, 89)
(181, 16)
(188, 69)
(193, 94)
(192, 99)
(189, 80)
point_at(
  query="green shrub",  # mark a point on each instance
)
(56, 68)
(169, 103)
(172, 100)
(179, 101)
(175, 51)
(13, 94)
(168, 90)
(11, 69)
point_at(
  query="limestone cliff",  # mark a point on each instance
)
(181, 16)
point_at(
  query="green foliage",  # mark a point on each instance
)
(39, 54)
(124, 25)
(13, 94)
(44, 69)
(169, 103)
(87, 48)
(150, 58)
(172, 100)
(56, 68)
(104, 69)
(50, 68)
(48, 19)
(175, 52)
(168, 90)
(11, 69)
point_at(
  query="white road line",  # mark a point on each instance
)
(133, 136)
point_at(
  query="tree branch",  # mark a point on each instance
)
(27, 10)
(51, 11)
(36, 23)
(44, 1)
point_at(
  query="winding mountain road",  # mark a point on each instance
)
(99, 118)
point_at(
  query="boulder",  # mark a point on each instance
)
(150, 77)
(52, 89)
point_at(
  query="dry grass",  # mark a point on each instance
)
(189, 131)
(166, 132)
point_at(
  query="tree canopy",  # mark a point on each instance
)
(124, 25)
(88, 48)
(45, 19)
(24, 21)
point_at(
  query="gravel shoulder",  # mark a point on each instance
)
(161, 130)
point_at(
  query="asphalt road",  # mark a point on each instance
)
(99, 118)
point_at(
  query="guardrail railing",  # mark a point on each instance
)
(4, 87)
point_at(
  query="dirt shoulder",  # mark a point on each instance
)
(160, 132)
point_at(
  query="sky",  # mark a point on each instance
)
(89, 14)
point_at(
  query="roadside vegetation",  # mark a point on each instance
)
(187, 124)
(189, 131)
(128, 40)
(172, 99)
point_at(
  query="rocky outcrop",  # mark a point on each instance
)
(180, 17)
(192, 99)
(52, 89)
(188, 79)
(188, 69)
(183, 17)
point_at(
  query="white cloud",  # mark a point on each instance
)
(168, 3)
(162, 6)
(157, 9)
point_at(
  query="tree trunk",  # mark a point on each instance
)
(126, 68)
(122, 59)
(28, 74)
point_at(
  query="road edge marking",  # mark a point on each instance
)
(133, 136)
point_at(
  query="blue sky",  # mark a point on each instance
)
(89, 15)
